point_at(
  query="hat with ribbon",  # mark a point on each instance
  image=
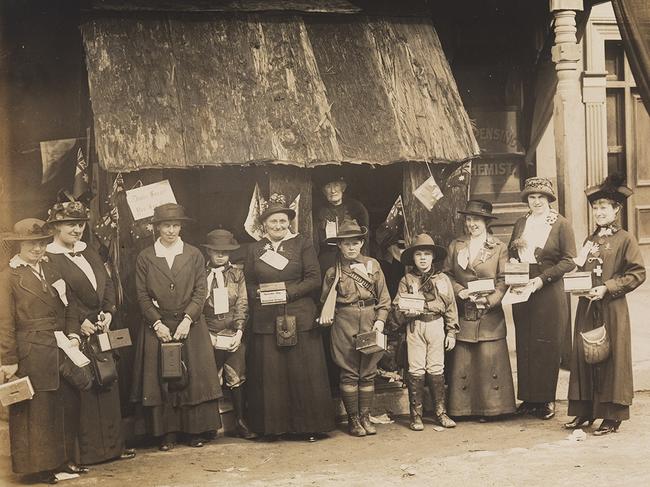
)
(28, 229)
(478, 208)
(221, 240)
(169, 212)
(612, 188)
(537, 185)
(68, 211)
(349, 229)
(277, 203)
(423, 242)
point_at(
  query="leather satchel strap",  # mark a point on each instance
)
(364, 283)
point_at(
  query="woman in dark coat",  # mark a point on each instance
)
(612, 255)
(288, 386)
(545, 240)
(480, 377)
(171, 288)
(42, 430)
(91, 288)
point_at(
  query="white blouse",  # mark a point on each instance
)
(79, 260)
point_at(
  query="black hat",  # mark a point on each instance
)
(169, 212)
(480, 208)
(349, 229)
(611, 188)
(221, 240)
(277, 204)
(423, 242)
(68, 211)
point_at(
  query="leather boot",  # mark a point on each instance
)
(350, 398)
(366, 397)
(436, 385)
(238, 401)
(416, 393)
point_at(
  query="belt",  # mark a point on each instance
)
(364, 303)
(176, 315)
(430, 316)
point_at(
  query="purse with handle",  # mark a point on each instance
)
(286, 330)
(596, 343)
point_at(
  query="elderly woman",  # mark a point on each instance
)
(544, 239)
(288, 385)
(91, 288)
(43, 430)
(612, 255)
(480, 378)
(171, 290)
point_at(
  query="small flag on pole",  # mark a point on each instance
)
(428, 193)
(252, 223)
(394, 227)
(81, 184)
(54, 154)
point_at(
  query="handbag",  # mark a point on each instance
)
(102, 364)
(81, 378)
(286, 330)
(596, 343)
(173, 371)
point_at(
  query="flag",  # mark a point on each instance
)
(54, 155)
(461, 176)
(81, 184)
(428, 193)
(252, 223)
(394, 227)
(295, 206)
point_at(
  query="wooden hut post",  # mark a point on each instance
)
(291, 181)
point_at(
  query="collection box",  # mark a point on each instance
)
(411, 302)
(273, 293)
(224, 339)
(18, 390)
(371, 342)
(578, 282)
(481, 286)
(517, 273)
(114, 339)
(170, 360)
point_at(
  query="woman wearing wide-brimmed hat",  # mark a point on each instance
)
(227, 286)
(612, 255)
(480, 377)
(171, 290)
(544, 239)
(288, 389)
(356, 287)
(93, 293)
(43, 430)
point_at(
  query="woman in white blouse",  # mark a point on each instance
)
(544, 239)
(91, 293)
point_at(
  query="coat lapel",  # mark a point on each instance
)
(180, 261)
(161, 264)
(31, 284)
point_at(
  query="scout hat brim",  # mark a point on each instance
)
(477, 213)
(439, 254)
(342, 236)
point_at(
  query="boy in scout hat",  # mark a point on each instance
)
(428, 306)
(356, 300)
(226, 313)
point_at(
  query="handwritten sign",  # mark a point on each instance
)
(144, 199)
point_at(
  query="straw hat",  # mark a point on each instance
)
(28, 229)
(538, 185)
(423, 242)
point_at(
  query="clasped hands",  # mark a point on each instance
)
(164, 334)
(103, 324)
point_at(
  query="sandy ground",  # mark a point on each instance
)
(516, 451)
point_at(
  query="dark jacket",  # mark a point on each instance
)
(237, 314)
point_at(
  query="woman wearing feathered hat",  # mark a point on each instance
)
(480, 377)
(33, 301)
(288, 390)
(544, 239)
(93, 293)
(612, 256)
(171, 289)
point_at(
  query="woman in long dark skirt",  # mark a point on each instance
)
(612, 255)
(288, 386)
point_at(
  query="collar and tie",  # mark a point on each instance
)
(606, 230)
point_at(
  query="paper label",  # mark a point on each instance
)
(104, 342)
(518, 294)
(274, 259)
(220, 300)
(273, 297)
(59, 285)
(78, 358)
(144, 199)
(331, 229)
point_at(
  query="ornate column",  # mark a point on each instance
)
(569, 116)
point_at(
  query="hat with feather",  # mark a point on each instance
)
(612, 188)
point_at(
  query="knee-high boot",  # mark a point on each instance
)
(238, 402)
(436, 385)
(350, 398)
(416, 393)
(366, 397)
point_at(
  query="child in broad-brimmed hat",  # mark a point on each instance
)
(430, 331)
(356, 300)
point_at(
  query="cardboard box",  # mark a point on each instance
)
(223, 340)
(114, 339)
(411, 302)
(371, 342)
(481, 286)
(578, 282)
(517, 273)
(273, 293)
(16, 391)
(170, 360)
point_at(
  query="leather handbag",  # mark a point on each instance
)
(102, 364)
(286, 330)
(596, 343)
(81, 378)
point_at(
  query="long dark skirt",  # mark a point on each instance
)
(596, 409)
(100, 425)
(288, 389)
(43, 431)
(480, 379)
(192, 420)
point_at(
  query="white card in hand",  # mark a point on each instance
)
(331, 229)
(274, 259)
(59, 285)
(78, 358)
(220, 300)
